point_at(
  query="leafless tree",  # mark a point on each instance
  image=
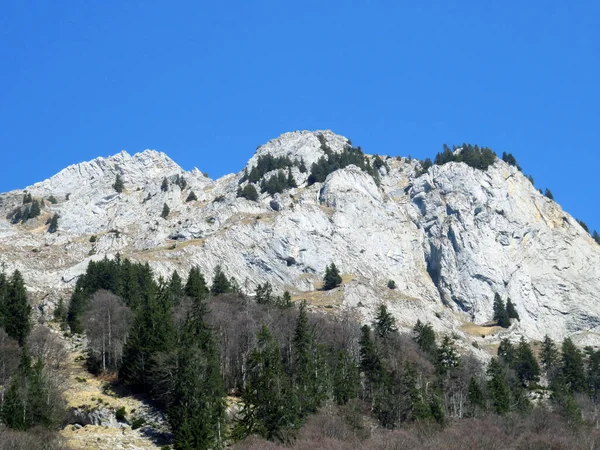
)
(106, 325)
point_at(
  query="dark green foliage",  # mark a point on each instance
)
(191, 197)
(60, 312)
(14, 308)
(370, 362)
(386, 408)
(596, 237)
(573, 369)
(121, 414)
(334, 161)
(180, 181)
(248, 192)
(447, 357)
(475, 397)
(424, 336)
(511, 160)
(53, 227)
(52, 199)
(506, 351)
(531, 180)
(267, 163)
(548, 194)
(511, 310)
(267, 396)
(425, 165)
(391, 284)
(549, 355)
(35, 210)
(302, 166)
(473, 156)
(264, 294)
(195, 286)
(30, 400)
(498, 387)
(526, 366)
(164, 185)
(384, 323)
(196, 407)
(309, 371)
(165, 211)
(221, 285)
(27, 198)
(500, 313)
(277, 183)
(332, 278)
(118, 185)
(346, 378)
(583, 225)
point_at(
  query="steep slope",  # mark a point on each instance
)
(449, 238)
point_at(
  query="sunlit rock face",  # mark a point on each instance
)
(450, 238)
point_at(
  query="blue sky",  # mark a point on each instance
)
(207, 82)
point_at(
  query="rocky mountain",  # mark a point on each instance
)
(449, 238)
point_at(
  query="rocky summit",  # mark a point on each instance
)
(449, 238)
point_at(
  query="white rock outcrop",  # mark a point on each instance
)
(449, 238)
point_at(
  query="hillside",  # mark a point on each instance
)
(450, 238)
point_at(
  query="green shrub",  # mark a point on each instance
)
(120, 414)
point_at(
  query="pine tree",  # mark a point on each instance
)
(175, 288)
(118, 185)
(424, 336)
(596, 237)
(346, 378)
(527, 367)
(384, 323)
(191, 197)
(165, 211)
(370, 362)
(53, 224)
(511, 311)
(302, 166)
(195, 286)
(500, 314)
(332, 278)
(196, 408)
(17, 312)
(264, 294)
(221, 285)
(506, 351)
(35, 210)
(165, 185)
(573, 369)
(549, 354)
(290, 179)
(447, 357)
(498, 387)
(27, 198)
(268, 401)
(548, 194)
(475, 397)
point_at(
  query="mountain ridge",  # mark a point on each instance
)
(449, 238)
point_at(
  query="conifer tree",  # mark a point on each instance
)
(268, 401)
(370, 362)
(35, 209)
(506, 351)
(447, 357)
(221, 285)
(475, 397)
(346, 378)
(191, 197)
(415, 408)
(424, 336)
(548, 194)
(165, 185)
(302, 166)
(17, 312)
(384, 323)
(596, 237)
(527, 367)
(498, 387)
(332, 278)
(53, 224)
(549, 354)
(27, 198)
(511, 311)
(118, 185)
(175, 288)
(195, 286)
(165, 211)
(500, 314)
(573, 369)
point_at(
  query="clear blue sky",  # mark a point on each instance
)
(207, 82)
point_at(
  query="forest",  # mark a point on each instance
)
(263, 372)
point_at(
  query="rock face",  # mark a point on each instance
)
(449, 238)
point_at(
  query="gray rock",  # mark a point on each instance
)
(449, 239)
